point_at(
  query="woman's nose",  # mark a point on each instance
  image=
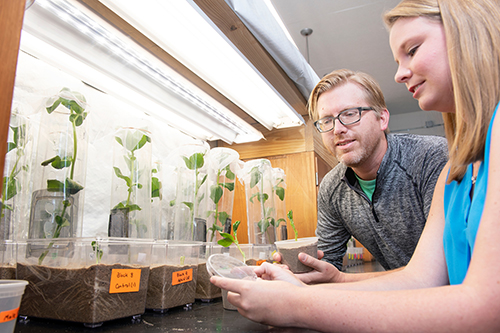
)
(402, 74)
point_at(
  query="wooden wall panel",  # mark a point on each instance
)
(11, 22)
(277, 142)
(300, 194)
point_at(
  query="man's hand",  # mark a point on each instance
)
(323, 272)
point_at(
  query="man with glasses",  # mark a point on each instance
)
(381, 191)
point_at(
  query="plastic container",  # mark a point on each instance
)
(11, 292)
(84, 280)
(230, 266)
(290, 249)
(173, 275)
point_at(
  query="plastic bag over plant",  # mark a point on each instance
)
(223, 168)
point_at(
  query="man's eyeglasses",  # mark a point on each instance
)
(346, 117)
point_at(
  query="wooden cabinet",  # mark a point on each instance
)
(301, 154)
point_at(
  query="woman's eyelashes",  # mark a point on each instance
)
(412, 51)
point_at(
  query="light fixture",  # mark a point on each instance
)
(182, 29)
(109, 60)
(306, 32)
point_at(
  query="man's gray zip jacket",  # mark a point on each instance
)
(390, 225)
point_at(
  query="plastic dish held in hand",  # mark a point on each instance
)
(229, 267)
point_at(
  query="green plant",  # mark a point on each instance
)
(98, 252)
(11, 183)
(256, 177)
(228, 239)
(195, 162)
(69, 187)
(216, 193)
(155, 186)
(280, 193)
(132, 141)
(290, 217)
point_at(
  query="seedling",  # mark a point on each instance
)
(290, 217)
(280, 192)
(228, 239)
(11, 184)
(256, 177)
(216, 192)
(195, 162)
(69, 187)
(98, 252)
(155, 186)
(133, 141)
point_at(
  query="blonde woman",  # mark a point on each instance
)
(448, 52)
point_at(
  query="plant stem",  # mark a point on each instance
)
(11, 176)
(132, 171)
(66, 203)
(217, 207)
(75, 150)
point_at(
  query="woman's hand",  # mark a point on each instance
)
(268, 271)
(261, 300)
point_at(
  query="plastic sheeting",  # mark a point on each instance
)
(260, 21)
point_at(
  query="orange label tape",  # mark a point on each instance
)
(124, 281)
(182, 276)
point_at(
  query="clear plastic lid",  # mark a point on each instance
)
(229, 267)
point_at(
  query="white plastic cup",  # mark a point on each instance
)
(11, 292)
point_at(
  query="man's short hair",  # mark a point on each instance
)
(374, 95)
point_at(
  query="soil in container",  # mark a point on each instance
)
(205, 290)
(7, 272)
(80, 294)
(289, 257)
(171, 286)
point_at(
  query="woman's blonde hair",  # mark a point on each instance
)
(373, 93)
(472, 30)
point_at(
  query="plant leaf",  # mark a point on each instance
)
(229, 186)
(279, 221)
(155, 188)
(119, 174)
(195, 161)
(143, 141)
(227, 240)
(255, 177)
(189, 204)
(223, 216)
(203, 181)
(133, 207)
(69, 186)
(10, 146)
(119, 140)
(229, 173)
(54, 106)
(216, 193)
(280, 192)
(72, 187)
(9, 188)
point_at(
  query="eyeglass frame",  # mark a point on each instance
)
(359, 108)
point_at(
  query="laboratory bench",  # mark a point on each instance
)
(201, 317)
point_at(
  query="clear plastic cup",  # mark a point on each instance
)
(11, 292)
